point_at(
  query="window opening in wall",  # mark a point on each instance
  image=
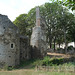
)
(11, 45)
(10, 66)
(9, 56)
(4, 27)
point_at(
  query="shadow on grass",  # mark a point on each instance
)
(28, 64)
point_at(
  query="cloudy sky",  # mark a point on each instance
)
(13, 8)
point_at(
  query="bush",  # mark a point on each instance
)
(49, 62)
(70, 48)
(6, 67)
(55, 61)
(46, 61)
(58, 49)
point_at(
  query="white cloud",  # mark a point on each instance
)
(14, 8)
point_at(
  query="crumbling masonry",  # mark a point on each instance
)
(9, 42)
(15, 47)
(38, 38)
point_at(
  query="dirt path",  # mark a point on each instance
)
(58, 55)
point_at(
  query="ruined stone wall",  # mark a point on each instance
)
(24, 48)
(9, 42)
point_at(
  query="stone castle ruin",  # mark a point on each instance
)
(15, 47)
(9, 42)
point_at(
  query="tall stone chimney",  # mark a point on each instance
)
(37, 17)
(38, 39)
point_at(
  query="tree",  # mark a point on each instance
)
(22, 23)
(49, 13)
(56, 18)
(32, 17)
(65, 25)
(71, 30)
(69, 3)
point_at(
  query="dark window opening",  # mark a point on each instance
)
(11, 45)
(9, 56)
(10, 67)
(4, 27)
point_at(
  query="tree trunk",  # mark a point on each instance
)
(59, 45)
(65, 40)
(54, 43)
(50, 38)
(74, 44)
(50, 42)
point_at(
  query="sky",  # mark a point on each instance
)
(13, 8)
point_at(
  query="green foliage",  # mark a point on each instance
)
(70, 48)
(30, 62)
(46, 61)
(50, 62)
(57, 61)
(59, 23)
(68, 3)
(71, 30)
(7, 68)
(69, 64)
(59, 49)
(32, 17)
(22, 23)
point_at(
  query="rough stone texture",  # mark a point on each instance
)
(38, 39)
(24, 48)
(38, 43)
(37, 17)
(9, 42)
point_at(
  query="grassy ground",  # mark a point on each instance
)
(33, 72)
(28, 67)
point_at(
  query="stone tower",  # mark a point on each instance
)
(38, 39)
(9, 42)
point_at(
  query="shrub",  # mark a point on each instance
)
(46, 61)
(57, 61)
(50, 62)
(58, 49)
(70, 48)
(6, 67)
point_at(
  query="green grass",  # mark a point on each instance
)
(32, 72)
(47, 61)
(28, 67)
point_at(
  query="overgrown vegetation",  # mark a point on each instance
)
(47, 61)
(70, 48)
